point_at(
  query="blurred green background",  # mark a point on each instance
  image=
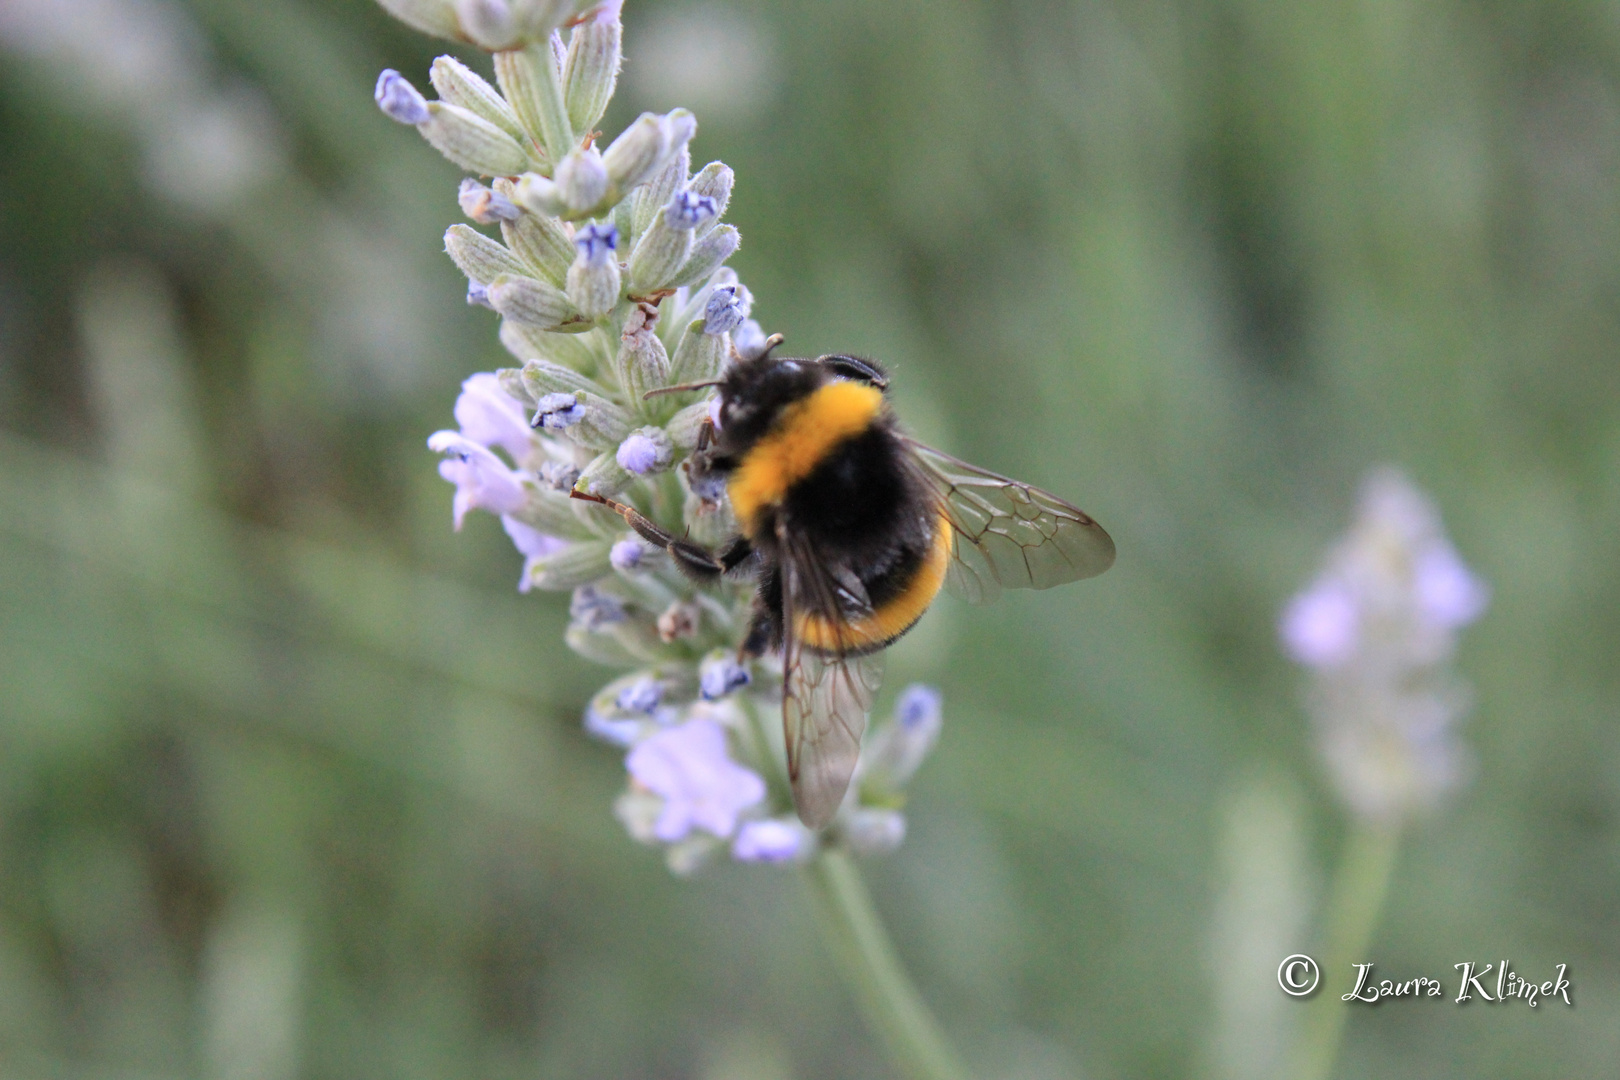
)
(291, 779)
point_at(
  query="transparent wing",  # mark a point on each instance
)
(1008, 533)
(826, 695)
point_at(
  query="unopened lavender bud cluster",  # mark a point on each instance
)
(1377, 630)
(605, 260)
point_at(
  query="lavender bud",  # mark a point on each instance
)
(678, 622)
(613, 731)
(699, 356)
(530, 301)
(714, 181)
(582, 179)
(749, 340)
(472, 142)
(557, 411)
(728, 306)
(628, 555)
(777, 840)
(641, 696)
(478, 296)
(570, 566)
(874, 832)
(638, 152)
(591, 70)
(539, 195)
(594, 609)
(684, 427)
(483, 205)
(652, 196)
(593, 280)
(646, 451)
(707, 256)
(600, 424)
(530, 82)
(541, 377)
(596, 243)
(661, 251)
(399, 100)
(604, 476)
(642, 363)
(479, 257)
(434, 17)
(540, 241)
(488, 22)
(687, 210)
(918, 711)
(559, 475)
(719, 675)
(460, 85)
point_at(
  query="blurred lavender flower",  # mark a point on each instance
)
(776, 840)
(483, 481)
(533, 544)
(701, 786)
(1377, 629)
(896, 750)
(486, 414)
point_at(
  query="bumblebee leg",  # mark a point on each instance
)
(765, 621)
(736, 553)
(693, 560)
(761, 631)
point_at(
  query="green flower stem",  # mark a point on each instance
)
(1355, 904)
(866, 959)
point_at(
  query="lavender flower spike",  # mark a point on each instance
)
(702, 788)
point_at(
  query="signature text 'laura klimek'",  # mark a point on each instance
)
(1509, 985)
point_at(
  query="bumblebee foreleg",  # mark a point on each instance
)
(694, 560)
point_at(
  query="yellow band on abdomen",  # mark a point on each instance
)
(891, 618)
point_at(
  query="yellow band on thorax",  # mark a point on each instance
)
(799, 441)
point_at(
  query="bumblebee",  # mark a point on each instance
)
(852, 528)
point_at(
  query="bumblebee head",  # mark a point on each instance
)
(754, 392)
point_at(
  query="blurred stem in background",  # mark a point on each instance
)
(1354, 908)
(893, 1008)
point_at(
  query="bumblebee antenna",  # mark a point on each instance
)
(681, 388)
(772, 342)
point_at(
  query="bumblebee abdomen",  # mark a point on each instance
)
(899, 596)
